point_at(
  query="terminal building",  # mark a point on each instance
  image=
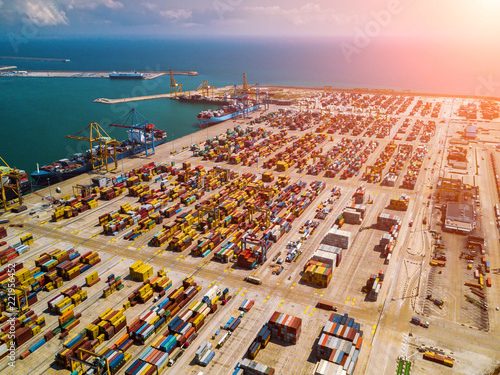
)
(459, 217)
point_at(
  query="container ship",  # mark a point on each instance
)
(224, 113)
(131, 75)
(200, 99)
(64, 169)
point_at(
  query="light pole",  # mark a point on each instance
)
(50, 192)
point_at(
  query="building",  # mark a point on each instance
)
(459, 217)
(470, 132)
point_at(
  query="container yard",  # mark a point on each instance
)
(330, 235)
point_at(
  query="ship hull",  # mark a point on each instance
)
(204, 122)
(43, 178)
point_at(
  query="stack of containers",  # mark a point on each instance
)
(246, 305)
(3, 232)
(255, 368)
(204, 355)
(285, 327)
(115, 358)
(340, 342)
(386, 221)
(328, 368)
(67, 300)
(317, 273)
(140, 271)
(114, 284)
(338, 238)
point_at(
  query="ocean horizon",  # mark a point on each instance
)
(38, 112)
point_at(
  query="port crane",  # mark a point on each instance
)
(21, 299)
(97, 134)
(8, 174)
(264, 246)
(175, 88)
(206, 89)
(140, 126)
(99, 366)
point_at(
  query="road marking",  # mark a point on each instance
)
(347, 300)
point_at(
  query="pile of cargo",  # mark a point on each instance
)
(230, 247)
(260, 342)
(246, 305)
(72, 207)
(144, 226)
(114, 284)
(182, 329)
(340, 342)
(337, 237)
(317, 273)
(3, 232)
(13, 252)
(140, 271)
(67, 300)
(20, 330)
(373, 285)
(92, 279)
(112, 192)
(204, 354)
(68, 321)
(285, 327)
(400, 204)
(439, 358)
(354, 213)
(107, 325)
(387, 221)
(331, 255)
(328, 368)
(255, 368)
(410, 179)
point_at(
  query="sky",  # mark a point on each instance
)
(471, 19)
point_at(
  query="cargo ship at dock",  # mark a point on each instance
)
(200, 99)
(64, 169)
(224, 113)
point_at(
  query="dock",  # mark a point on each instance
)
(159, 255)
(85, 74)
(146, 97)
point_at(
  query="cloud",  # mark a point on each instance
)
(149, 6)
(306, 14)
(92, 4)
(176, 15)
(44, 13)
(50, 12)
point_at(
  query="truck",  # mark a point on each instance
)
(438, 302)
(174, 356)
(420, 323)
(253, 280)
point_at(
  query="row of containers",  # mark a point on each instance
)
(49, 273)
(182, 330)
(339, 343)
(280, 327)
(13, 251)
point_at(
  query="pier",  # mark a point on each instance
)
(85, 74)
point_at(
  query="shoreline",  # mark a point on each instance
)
(86, 74)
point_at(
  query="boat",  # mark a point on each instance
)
(79, 163)
(121, 75)
(200, 99)
(224, 113)
(24, 183)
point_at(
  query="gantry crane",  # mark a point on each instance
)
(175, 88)
(264, 246)
(98, 135)
(10, 193)
(140, 128)
(206, 88)
(211, 209)
(100, 365)
(21, 298)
